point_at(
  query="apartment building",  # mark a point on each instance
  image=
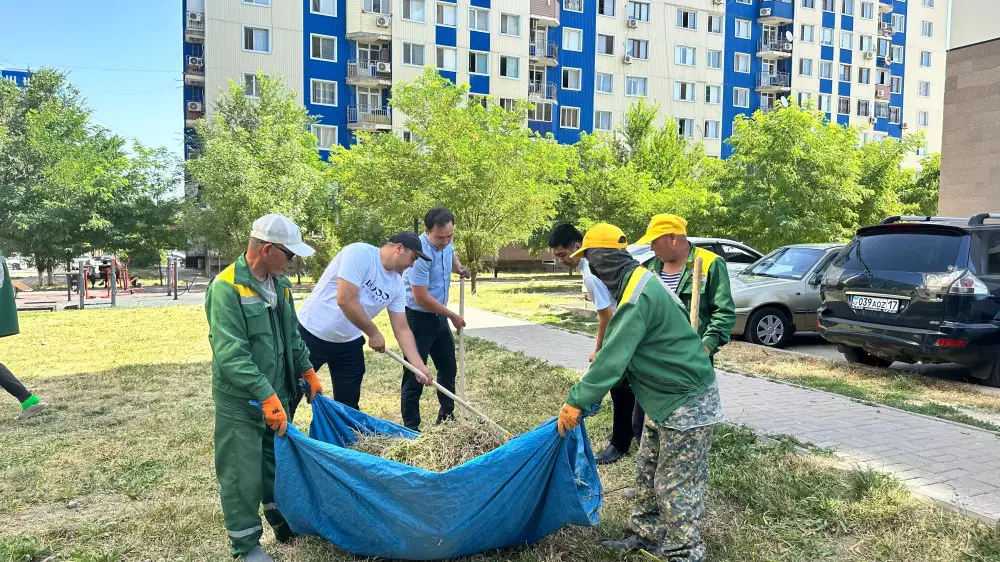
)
(876, 64)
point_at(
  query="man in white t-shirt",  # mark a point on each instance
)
(360, 282)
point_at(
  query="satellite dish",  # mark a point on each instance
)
(789, 37)
(784, 102)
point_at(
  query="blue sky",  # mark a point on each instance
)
(123, 55)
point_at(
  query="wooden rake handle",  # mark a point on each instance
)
(695, 293)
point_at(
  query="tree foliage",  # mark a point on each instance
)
(923, 195)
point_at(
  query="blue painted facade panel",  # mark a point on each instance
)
(479, 84)
(328, 70)
(899, 69)
(733, 79)
(584, 60)
(479, 41)
(446, 36)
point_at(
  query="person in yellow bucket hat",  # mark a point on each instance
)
(650, 342)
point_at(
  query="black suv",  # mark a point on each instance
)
(918, 289)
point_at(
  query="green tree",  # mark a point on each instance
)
(477, 159)
(882, 179)
(922, 196)
(255, 156)
(791, 178)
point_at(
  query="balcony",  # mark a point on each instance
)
(369, 118)
(194, 72)
(883, 62)
(884, 6)
(774, 83)
(774, 48)
(545, 53)
(885, 29)
(374, 26)
(541, 91)
(369, 73)
(194, 27)
(195, 111)
(775, 12)
(546, 12)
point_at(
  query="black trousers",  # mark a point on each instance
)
(347, 366)
(628, 416)
(13, 386)
(434, 339)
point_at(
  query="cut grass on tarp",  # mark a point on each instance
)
(122, 467)
(438, 448)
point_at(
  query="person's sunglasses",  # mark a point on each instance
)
(288, 253)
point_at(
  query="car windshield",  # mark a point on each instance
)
(786, 263)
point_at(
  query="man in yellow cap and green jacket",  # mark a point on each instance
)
(650, 341)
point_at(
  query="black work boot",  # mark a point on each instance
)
(631, 543)
(609, 455)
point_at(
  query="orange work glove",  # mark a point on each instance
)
(707, 350)
(274, 414)
(314, 386)
(569, 418)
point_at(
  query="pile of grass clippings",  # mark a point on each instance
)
(441, 447)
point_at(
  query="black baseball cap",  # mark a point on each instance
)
(410, 241)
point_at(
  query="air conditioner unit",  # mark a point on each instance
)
(196, 62)
(196, 17)
(632, 23)
(765, 12)
(383, 67)
(903, 125)
(884, 26)
(195, 106)
(627, 59)
(869, 55)
(383, 21)
(786, 46)
(872, 120)
(879, 94)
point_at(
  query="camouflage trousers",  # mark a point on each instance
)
(671, 481)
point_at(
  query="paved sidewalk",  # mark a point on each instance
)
(950, 463)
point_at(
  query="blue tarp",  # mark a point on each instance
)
(512, 496)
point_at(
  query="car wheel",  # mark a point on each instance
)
(768, 327)
(859, 356)
(988, 373)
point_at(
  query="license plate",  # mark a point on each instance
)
(859, 302)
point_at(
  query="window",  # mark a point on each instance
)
(897, 54)
(896, 84)
(510, 67)
(569, 117)
(638, 11)
(894, 115)
(323, 47)
(826, 70)
(828, 5)
(921, 151)
(811, 4)
(684, 91)
(925, 59)
(741, 62)
(685, 127)
(413, 10)
(572, 6)
(826, 37)
(806, 67)
(898, 23)
(863, 108)
(864, 75)
(714, 24)
(636, 86)
(413, 54)
(713, 94)
(744, 1)
(847, 7)
(712, 129)
(604, 83)
(686, 19)
(602, 120)
(571, 78)
(324, 92)
(638, 48)
(479, 63)
(882, 110)
(447, 58)
(926, 29)
(867, 43)
(804, 98)
(572, 39)
(264, 3)
(741, 97)
(479, 20)
(685, 56)
(713, 59)
(742, 29)
(824, 102)
(928, 3)
(884, 47)
(846, 40)
(510, 25)
(806, 33)
(606, 7)
(447, 14)
(250, 85)
(256, 39)
(845, 73)
(324, 7)
(376, 6)
(923, 118)
(844, 106)
(508, 104)
(882, 77)
(767, 102)
(605, 44)
(326, 136)
(541, 112)
(868, 10)
(408, 136)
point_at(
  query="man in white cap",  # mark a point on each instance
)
(257, 354)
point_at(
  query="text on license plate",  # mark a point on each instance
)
(874, 303)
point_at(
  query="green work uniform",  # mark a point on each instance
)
(256, 352)
(8, 308)
(716, 311)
